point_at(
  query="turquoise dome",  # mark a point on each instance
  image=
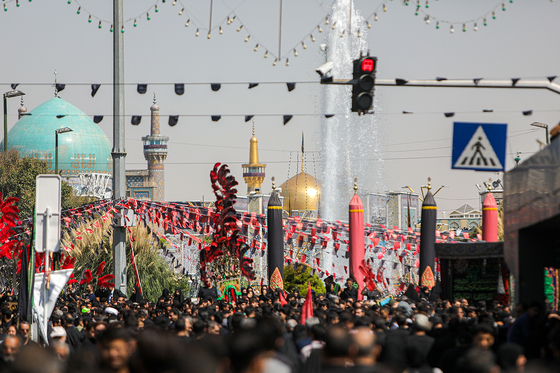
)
(84, 150)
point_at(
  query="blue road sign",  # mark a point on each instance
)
(479, 146)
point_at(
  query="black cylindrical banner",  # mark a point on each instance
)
(275, 243)
(428, 241)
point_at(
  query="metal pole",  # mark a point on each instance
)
(47, 270)
(471, 83)
(5, 124)
(56, 152)
(119, 153)
(280, 34)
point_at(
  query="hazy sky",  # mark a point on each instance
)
(42, 36)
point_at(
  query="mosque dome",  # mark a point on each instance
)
(84, 150)
(302, 192)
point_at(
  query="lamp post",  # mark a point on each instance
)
(56, 133)
(542, 125)
(6, 95)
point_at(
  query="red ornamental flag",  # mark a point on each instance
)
(307, 309)
(283, 301)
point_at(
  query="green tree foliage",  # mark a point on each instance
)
(18, 179)
(298, 279)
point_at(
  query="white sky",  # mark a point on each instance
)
(41, 36)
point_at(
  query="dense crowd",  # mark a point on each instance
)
(260, 331)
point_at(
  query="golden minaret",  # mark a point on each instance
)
(253, 172)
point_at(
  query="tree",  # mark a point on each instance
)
(18, 179)
(96, 247)
(298, 279)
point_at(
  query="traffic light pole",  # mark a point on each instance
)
(472, 83)
(330, 80)
(454, 83)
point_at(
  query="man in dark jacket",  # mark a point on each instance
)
(350, 291)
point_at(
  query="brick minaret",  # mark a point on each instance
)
(155, 151)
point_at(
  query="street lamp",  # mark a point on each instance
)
(542, 125)
(57, 132)
(10, 94)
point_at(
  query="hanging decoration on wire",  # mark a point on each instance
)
(6, 2)
(101, 21)
(421, 5)
(234, 20)
(231, 19)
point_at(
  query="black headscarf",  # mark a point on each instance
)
(179, 296)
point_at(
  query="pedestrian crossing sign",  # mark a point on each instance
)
(479, 146)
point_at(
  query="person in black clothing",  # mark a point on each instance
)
(115, 294)
(178, 296)
(208, 291)
(7, 319)
(419, 344)
(350, 291)
(10, 348)
(74, 337)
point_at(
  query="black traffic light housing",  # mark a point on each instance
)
(363, 84)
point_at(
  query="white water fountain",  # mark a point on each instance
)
(350, 144)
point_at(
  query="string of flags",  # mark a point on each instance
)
(173, 120)
(190, 223)
(179, 89)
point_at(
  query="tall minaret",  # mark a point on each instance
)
(253, 172)
(155, 152)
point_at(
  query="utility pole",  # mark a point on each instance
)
(119, 153)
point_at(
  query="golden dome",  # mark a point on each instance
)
(302, 192)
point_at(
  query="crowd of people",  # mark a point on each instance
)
(263, 331)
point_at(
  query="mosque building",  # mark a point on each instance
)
(84, 151)
(302, 193)
(83, 148)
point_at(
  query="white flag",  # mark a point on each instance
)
(58, 280)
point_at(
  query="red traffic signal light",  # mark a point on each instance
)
(367, 64)
(363, 84)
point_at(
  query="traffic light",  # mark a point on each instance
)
(363, 84)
